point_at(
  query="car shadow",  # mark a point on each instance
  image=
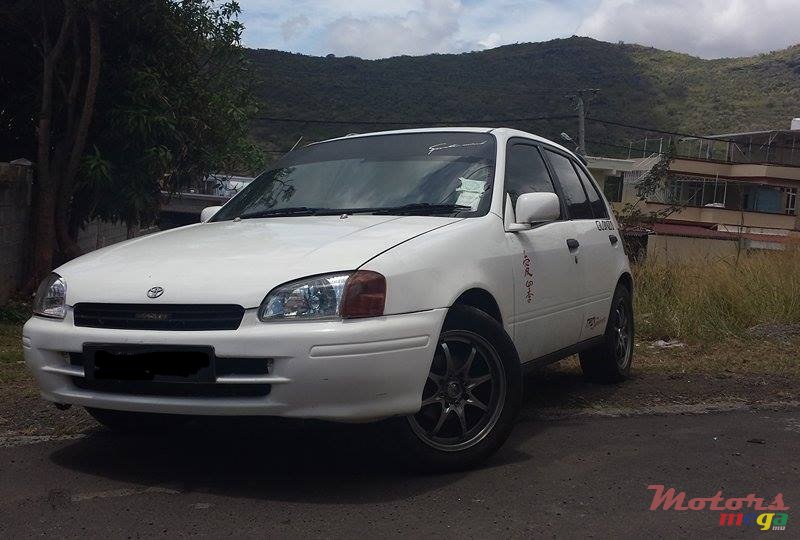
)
(293, 461)
(261, 458)
(558, 387)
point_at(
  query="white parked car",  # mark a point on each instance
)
(407, 276)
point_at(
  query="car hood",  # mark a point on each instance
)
(235, 262)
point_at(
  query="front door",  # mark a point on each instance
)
(547, 280)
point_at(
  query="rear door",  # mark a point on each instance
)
(603, 248)
(596, 238)
(547, 280)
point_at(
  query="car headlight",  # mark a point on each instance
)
(346, 295)
(51, 297)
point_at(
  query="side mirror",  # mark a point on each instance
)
(537, 208)
(208, 213)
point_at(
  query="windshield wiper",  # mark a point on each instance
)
(291, 211)
(423, 208)
(414, 208)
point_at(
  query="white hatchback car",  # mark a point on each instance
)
(406, 275)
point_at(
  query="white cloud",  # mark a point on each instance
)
(491, 41)
(376, 29)
(706, 28)
(419, 31)
(291, 27)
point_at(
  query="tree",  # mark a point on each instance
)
(653, 182)
(133, 97)
(634, 221)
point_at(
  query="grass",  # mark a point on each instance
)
(717, 300)
(732, 356)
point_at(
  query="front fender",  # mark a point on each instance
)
(431, 271)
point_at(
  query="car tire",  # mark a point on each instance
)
(136, 422)
(610, 362)
(471, 397)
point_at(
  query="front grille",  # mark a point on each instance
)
(179, 317)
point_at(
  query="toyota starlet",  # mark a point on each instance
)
(409, 277)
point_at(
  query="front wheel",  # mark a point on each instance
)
(611, 360)
(471, 397)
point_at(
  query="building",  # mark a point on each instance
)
(735, 191)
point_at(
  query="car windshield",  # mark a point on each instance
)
(433, 173)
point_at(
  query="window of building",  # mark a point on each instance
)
(526, 171)
(691, 190)
(700, 191)
(574, 195)
(612, 188)
(791, 200)
(761, 198)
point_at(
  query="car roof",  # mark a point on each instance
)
(502, 131)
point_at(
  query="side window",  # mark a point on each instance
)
(574, 196)
(595, 201)
(526, 171)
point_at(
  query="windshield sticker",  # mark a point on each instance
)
(445, 146)
(470, 192)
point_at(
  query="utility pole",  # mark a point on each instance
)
(582, 99)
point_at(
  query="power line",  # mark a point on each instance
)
(409, 123)
(673, 133)
(350, 79)
(443, 122)
(612, 145)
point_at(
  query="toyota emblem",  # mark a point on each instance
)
(155, 292)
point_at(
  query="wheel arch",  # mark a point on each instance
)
(627, 280)
(482, 300)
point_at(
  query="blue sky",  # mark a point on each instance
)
(384, 28)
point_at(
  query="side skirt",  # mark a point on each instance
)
(560, 354)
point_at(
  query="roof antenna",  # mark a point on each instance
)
(295, 144)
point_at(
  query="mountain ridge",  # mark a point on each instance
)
(638, 85)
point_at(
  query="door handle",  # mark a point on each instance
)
(573, 244)
(613, 239)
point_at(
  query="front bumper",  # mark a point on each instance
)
(357, 370)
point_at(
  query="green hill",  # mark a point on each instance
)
(638, 85)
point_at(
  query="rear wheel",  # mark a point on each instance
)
(611, 361)
(126, 421)
(470, 399)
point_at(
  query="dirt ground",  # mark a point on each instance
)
(730, 375)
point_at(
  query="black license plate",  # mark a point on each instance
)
(158, 363)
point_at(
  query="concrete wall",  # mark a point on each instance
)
(780, 175)
(99, 234)
(727, 217)
(15, 205)
(680, 248)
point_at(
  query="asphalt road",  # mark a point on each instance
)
(580, 477)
